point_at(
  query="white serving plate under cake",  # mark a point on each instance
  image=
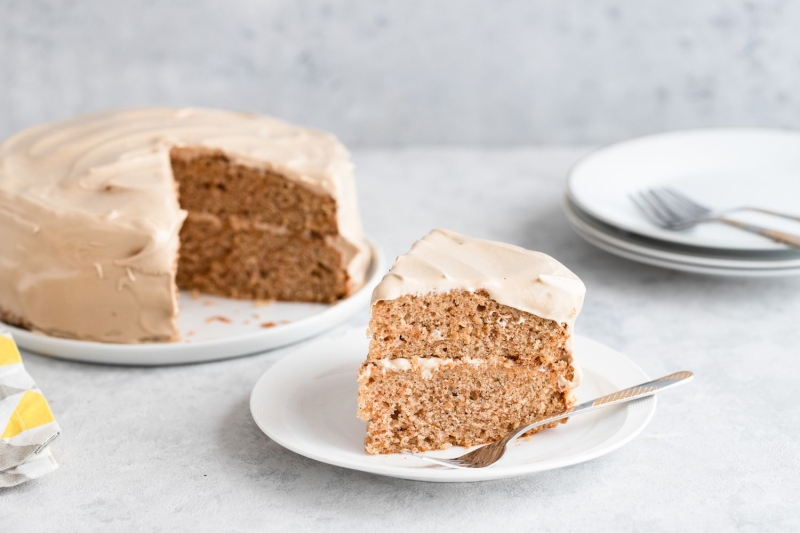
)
(214, 328)
(307, 402)
(721, 168)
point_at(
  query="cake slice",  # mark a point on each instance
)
(469, 339)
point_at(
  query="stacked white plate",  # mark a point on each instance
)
(720, 168)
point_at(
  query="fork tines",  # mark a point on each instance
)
(668, 208)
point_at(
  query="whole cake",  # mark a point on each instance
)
(104, 216)
(469, 339)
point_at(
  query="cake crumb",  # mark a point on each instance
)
(268, 324)
(190, 334)
(218, 318)
(461, 390)
(262, 303)
(195, 294)
(208, 303)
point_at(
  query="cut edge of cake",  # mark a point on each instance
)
(254, 233)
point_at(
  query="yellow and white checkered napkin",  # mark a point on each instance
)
(27, 426)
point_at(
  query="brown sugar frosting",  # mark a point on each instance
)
(443, 261)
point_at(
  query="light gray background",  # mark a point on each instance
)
(411, 72)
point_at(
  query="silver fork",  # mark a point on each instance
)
(705, 211)
(672, 210)
(491, 453)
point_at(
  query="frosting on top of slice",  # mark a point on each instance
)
(443, 261)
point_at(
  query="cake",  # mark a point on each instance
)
(469, 339)
(103, 217)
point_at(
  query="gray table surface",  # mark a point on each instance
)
(172, 449)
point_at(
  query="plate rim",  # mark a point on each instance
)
(179, 353)
(686, 267)
(442, 475)
(677, 239)
(576, 218)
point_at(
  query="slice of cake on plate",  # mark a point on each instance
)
(103, 217)
(469, 339)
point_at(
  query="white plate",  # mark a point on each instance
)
(718, 167)
(585, 225)
(694, 268)
(307, 402)
(215, 328)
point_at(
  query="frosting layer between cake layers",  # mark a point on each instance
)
(443, 261)
(89, 214)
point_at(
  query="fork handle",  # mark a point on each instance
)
(774, 213)
(635, 392)
(782, 237)
(625, 395)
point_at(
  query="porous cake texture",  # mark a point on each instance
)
(103, 217)
(252, 233)
(468, 339)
